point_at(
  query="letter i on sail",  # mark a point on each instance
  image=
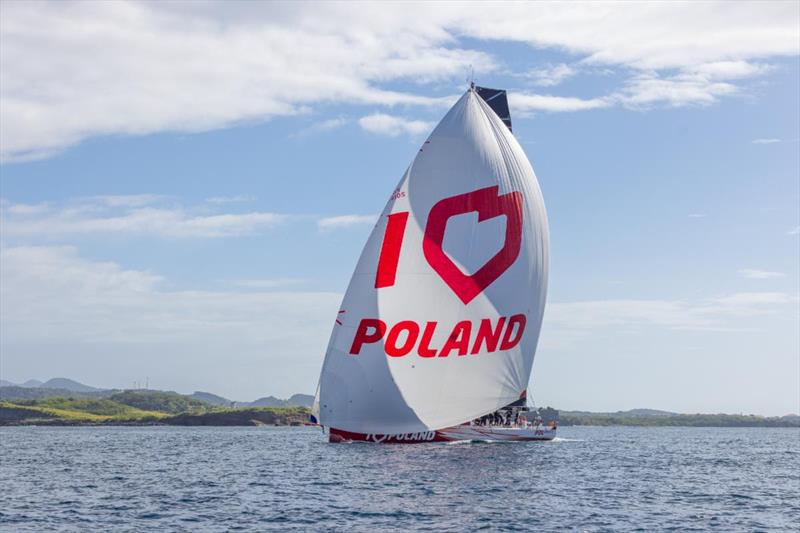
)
(444, 309)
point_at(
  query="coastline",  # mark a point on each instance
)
(51, 407)
(299, 417)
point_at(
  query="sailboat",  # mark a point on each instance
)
(436, 334)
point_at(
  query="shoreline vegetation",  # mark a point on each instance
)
(70, 411)
(27, 406)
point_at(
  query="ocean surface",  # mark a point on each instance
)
(290, 479)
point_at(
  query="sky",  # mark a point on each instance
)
(186, 187)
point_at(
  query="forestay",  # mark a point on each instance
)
(440, 321)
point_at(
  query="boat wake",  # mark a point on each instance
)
(503, 441)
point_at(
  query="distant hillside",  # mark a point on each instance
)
(55, 383)
(67, 384)
(647, 412)
(94, 407)
(300, 400)
(624, 414)
(142, 408)
(165, 402)
(64, 387)
(248, 416)
(211, 399)
(631, 418)
(73, 397)
(296, 400)
(25, 406)
(38, 393)
(268, 401)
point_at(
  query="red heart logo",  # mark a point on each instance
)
(489, 205)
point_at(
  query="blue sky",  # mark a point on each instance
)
(186, 188)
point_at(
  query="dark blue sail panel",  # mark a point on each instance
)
(497, 100)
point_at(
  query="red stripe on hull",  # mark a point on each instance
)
(457, 433)
(338, 435)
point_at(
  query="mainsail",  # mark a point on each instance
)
(440, 322)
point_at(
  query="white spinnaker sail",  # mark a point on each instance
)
(456, 270)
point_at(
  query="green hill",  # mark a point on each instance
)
(73, 410)
(247, 416)
(81, 411)
(41, 405)
(18, 392)
(212, 399)
(165, 402)
(650, 419)
(100, 407)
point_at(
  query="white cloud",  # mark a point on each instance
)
(697, 215)
(138, 68)
(99, 215)
(110, 324)
(268, 283)
(566, 322)
(696, 85)
(753, 273)
(108, 216)
(646, 35)
(551, 75)
(27, 209)
(650, 89)
(794, 231)
(62, 266)
(230, 199)
(66, 314)
(393, 126)
(330, 124)
(526, 102)
(322, 126)
(750, 300)
(765, 141)
(142, 67)
(53, 289)
(345, 221)
(52, 294)
(126, 200)
(729, 70)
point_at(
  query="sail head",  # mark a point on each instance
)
(498, 101)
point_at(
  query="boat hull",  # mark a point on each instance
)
(453, 434)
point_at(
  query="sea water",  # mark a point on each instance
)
(290, 479)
